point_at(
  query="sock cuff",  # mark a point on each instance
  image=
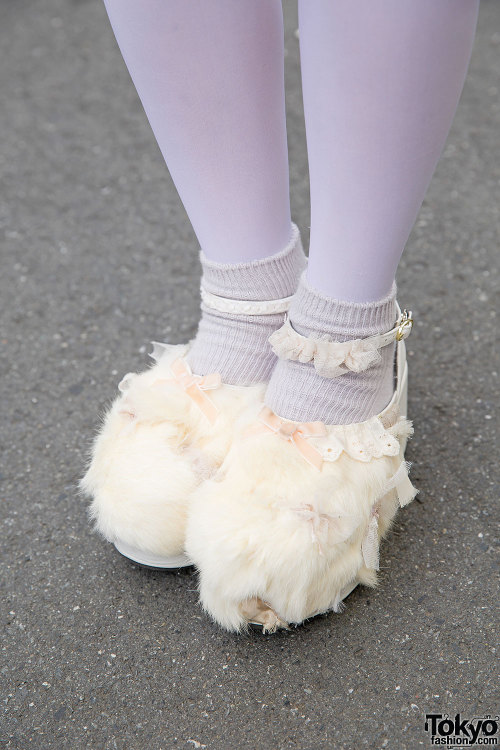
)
(268, 278)
(313, 313)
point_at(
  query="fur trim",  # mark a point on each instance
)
(154, 448)
(269, 527)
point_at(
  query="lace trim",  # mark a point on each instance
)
(333, 358)
(362, 441)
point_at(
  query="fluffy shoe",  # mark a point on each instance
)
(291, 522)
(166, 433)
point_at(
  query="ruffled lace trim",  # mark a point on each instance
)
(362, 441)
(330, 358)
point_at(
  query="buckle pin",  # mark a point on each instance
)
(405, 325)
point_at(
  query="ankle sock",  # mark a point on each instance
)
(297, 392)
(237, 345)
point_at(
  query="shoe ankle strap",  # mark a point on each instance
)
(245, 307)
(334, 358)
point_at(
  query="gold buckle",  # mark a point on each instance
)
(405, 325)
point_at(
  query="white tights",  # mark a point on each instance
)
(381, 81)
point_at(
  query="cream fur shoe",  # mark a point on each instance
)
(292, 520)
(166, 433)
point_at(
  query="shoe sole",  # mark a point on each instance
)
(150, 560)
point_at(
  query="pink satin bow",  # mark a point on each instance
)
(297, 432)
(320, 523)
(195, 385)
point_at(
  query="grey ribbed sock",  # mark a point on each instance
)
(237, 346)
(297, 392)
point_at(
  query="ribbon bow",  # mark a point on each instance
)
(297, 433)
(331, 358)
(319, 523)
(195, 385)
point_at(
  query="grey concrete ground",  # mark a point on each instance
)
(97, 260)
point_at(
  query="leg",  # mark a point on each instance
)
(381, 79)
(381, 82)
(210, 77)
(302, 521)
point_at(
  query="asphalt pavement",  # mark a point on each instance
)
(97, 259)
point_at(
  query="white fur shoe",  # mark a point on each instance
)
(166, 433)
(291, 522)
